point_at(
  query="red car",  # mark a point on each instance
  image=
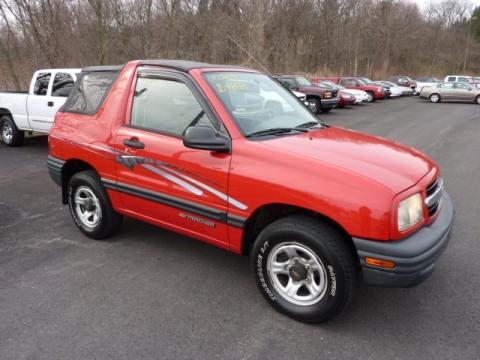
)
(229, 156)
(374, 92)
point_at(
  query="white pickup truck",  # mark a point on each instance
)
(34, 110)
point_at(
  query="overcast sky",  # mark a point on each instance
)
(423, 3)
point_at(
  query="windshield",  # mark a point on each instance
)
(303, 81)
(389, 83)
(258, 103)
(361, 81)
(366, 80)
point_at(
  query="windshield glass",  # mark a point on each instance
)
(389, 83)
(303, 81)
(257, 102)
(366, 80)
(361, 81)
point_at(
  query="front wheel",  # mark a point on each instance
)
(477, 99)
(11, 136)
(326, 110)
(314, 105)
(90, 206)
(435, 98)
(304, 268)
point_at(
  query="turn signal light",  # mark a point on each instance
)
(386, 264)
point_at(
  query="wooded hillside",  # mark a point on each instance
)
(370, 37)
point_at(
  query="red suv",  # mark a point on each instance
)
(227, 155)
(374, 92)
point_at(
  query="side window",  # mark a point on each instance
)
(89, 91)
(463, 79)
(462, 86)
(451, 78)
(166, 106)
(449, 85)
(62, 84)
(41, 84)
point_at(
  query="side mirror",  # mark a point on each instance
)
(205, 138)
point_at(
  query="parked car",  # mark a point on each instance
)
(374, 92)
(463, 79)
(367, 81)
(403, 89)
(426, 82)
(360, 96)
(451, 91)
(346, 98)
(392, 91)
(184, 146)
(319, 99)
(405, 81)
(34, 110)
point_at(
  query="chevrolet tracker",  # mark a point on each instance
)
(229, 156)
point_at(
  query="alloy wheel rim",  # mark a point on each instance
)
(370, 97)
(434, 98)
(87, 207)
(297, 273)
(7, 132)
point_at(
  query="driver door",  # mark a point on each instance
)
(161, 180)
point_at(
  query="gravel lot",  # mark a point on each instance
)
(152, 294)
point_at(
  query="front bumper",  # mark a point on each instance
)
(329, 103)
(414, 256)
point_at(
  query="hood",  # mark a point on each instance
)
(393, 165)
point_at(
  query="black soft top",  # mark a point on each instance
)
(181, 65)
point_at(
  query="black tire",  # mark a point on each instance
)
(328, 245)
(435, 98)
(326, 110)
(314, 105)
(477, 100)
(7, 126)
(109, 220)
(371, 96)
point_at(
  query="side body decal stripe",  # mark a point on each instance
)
(208, 212)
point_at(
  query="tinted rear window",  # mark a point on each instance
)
(89, 92)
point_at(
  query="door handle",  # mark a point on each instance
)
(134, 143)
(50, 103)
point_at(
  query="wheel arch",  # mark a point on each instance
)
(267, 214)
(5, 111)
(70, 168)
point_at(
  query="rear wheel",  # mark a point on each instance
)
(90, 206)
(435, 98)
(11, 136)
(371, 97)
(304, 268)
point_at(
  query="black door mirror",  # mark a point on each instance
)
(205, 138)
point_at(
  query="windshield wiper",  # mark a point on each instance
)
(274, 131)
(308, 125)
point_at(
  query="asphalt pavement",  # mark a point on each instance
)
(149, 293)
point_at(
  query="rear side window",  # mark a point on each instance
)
(89, 92)
(451, 78)
(41, 84)
(62, 84)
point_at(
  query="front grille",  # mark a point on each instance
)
(434, 196)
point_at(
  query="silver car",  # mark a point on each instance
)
(451, 91)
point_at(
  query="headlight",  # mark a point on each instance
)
(410, 212)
